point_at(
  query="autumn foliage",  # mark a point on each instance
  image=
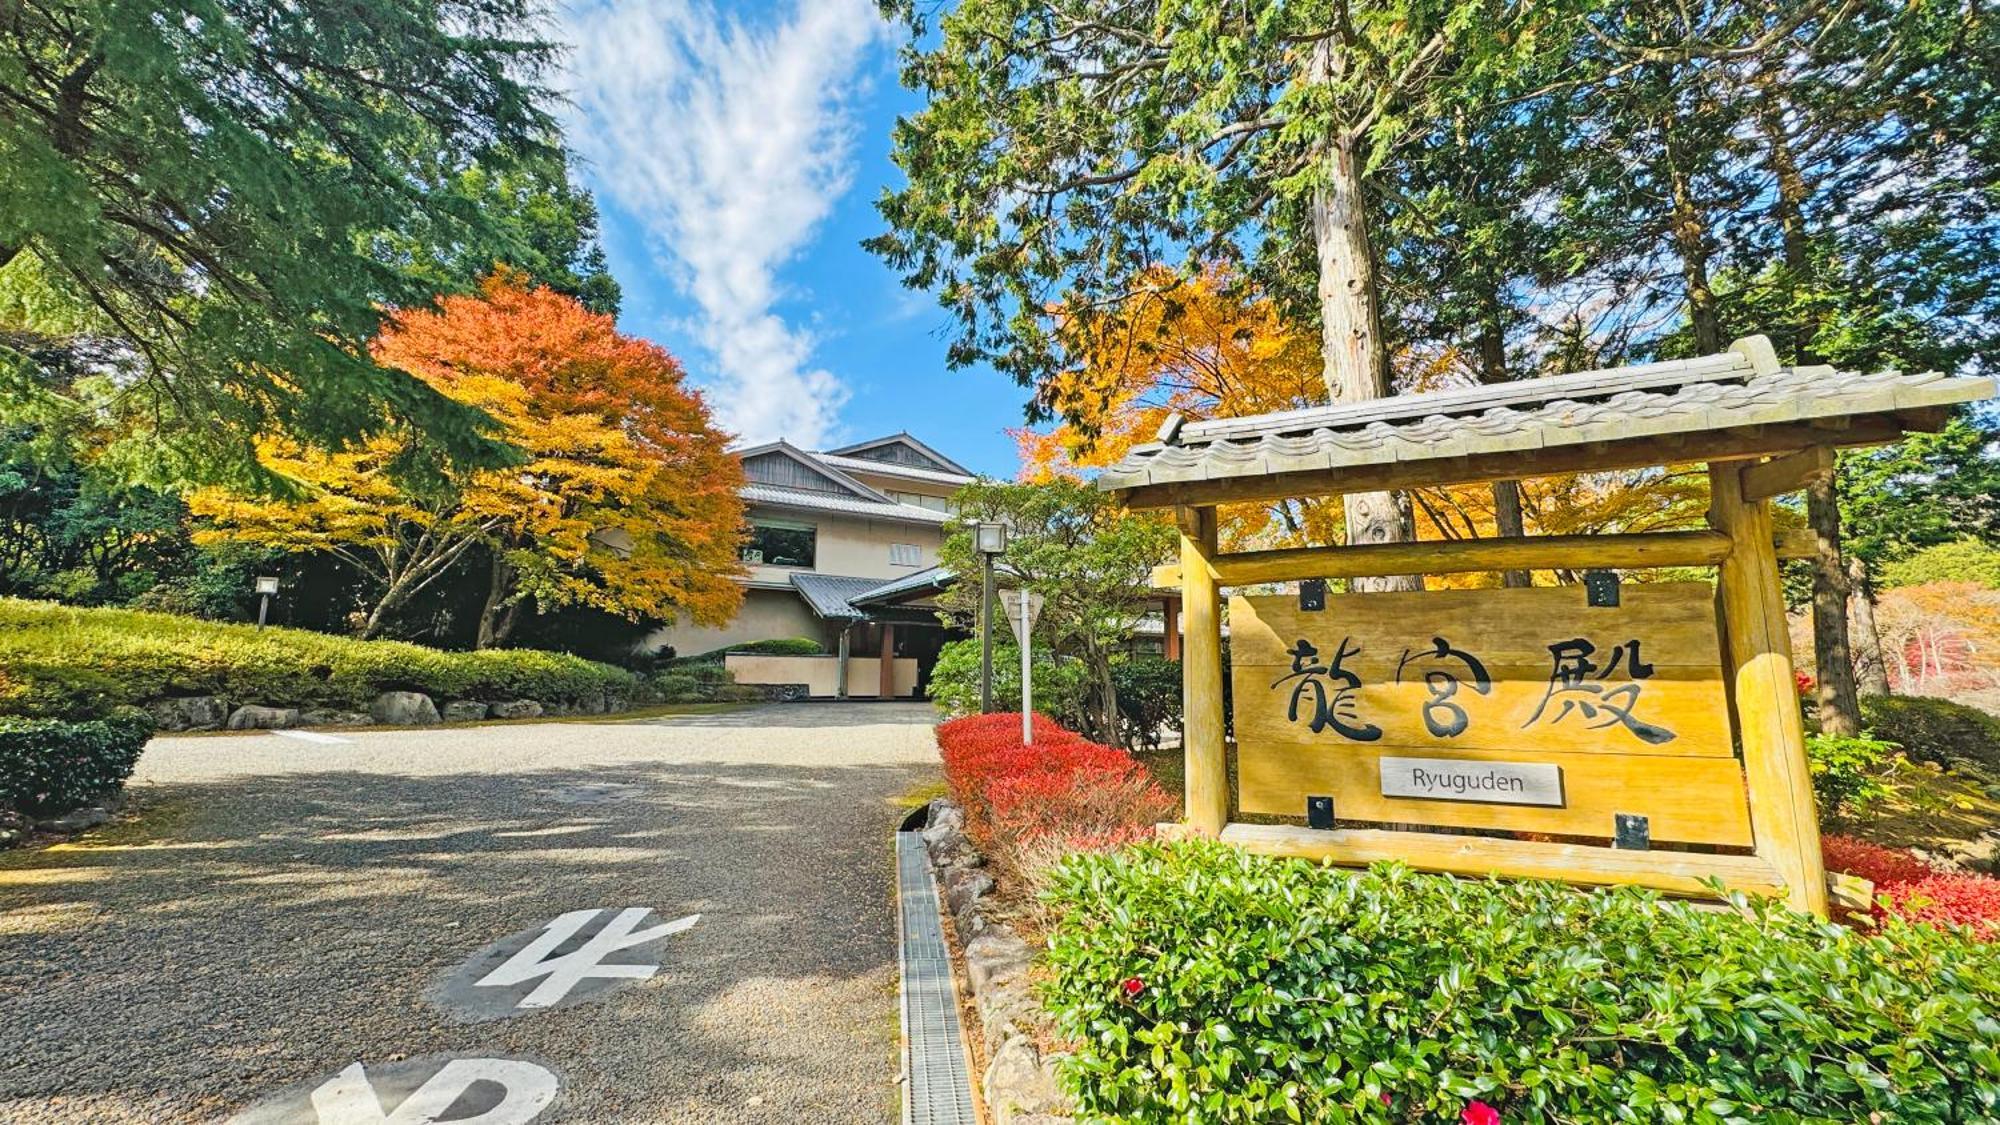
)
(1910, 888)
(625, 501)
(1063, 790)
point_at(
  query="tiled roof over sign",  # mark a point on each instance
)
(1737, 389)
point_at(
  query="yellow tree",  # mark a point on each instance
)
(625, 499)
(1211, 348)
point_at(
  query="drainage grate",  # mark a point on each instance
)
(937, 1091)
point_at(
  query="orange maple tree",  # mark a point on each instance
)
(626, 499)
(1211, 347)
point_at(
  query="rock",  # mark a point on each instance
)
(1018, 1085)
(964, 888)
(404, 709)
(253, 717)
(80, 819)
(591, 704)
(515, 709)
(1005, 1010)
(188, 712)
(328, 717)
(464, 711)
(994, 956)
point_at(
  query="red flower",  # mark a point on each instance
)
(1479, 1113)
(1133, 986)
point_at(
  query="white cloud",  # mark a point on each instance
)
(731, 144)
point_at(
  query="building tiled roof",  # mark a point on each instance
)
(889, 469)
(925, 580)
(777, 497)
(1736, 389)
(827, 594)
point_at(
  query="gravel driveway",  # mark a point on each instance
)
(272, 911)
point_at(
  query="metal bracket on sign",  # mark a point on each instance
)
(1634, 832)
(1600, 588)
(1319, 812)
(1312, 595)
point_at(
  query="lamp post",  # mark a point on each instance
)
(265, 588)
(989, 538)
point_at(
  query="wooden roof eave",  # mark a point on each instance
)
(1644, 451)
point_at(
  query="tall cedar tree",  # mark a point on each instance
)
(1069, 146)
(628, 501)
(212, 178)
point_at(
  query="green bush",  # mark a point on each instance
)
(62, 662)
(1149, 698)
(701, 683)
(48, 766)
(781, 646)
(1848, 774)
(1060, 686)
(1200, 984)
(1937, 730)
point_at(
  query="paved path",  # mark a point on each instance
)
(278, 910)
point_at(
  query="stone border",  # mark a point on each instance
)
(1019, 1084)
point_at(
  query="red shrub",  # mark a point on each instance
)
(1958, 900)
(1062, 788)
(1917, 891)
(1873, 862)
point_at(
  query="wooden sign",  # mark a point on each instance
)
(1522, 709)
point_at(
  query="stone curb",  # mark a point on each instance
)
(1019, 1086)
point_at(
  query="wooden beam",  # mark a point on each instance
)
(1768, 723)
(1789, 473)
(1636, 453)
(1206, 772)
(887, 688)
(1466, 556)
(1675, 872)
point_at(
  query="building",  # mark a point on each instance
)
(842, 549)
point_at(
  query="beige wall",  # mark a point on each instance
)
(820, 674)
(854, 547)
(766, 615)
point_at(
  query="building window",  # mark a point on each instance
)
(781, 544)
(905, 554)
(919, 500)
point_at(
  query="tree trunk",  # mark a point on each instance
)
(1690, 233)
(1354, 356)
(1790, 211)
(496, 617)
(1871, 673)
(1839, 708)
(1493, 369)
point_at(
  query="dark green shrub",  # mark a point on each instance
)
(1848, 774)
(61, 662)
(49, 766)
(1937, 730)
(701, 683)
(1201, 984)
(1149, 699)
(781, 646)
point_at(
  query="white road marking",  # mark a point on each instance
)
(311, 736)
(566, 971)
(348, 1099)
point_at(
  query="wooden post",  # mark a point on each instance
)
(1170, 616)
(1206, 780)
(1782, 814)
(888, 688)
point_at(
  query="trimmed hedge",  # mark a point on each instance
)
(781, 646)
(1200, 984)
(63, 662)
(48, 766)
(1937, 730)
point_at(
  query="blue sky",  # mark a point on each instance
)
(736, 152)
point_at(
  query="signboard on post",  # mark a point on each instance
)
(1024, 608)
(1531, 710)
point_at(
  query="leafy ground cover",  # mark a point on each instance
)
(1199, 984)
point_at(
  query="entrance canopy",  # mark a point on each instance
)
(1739, 404)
